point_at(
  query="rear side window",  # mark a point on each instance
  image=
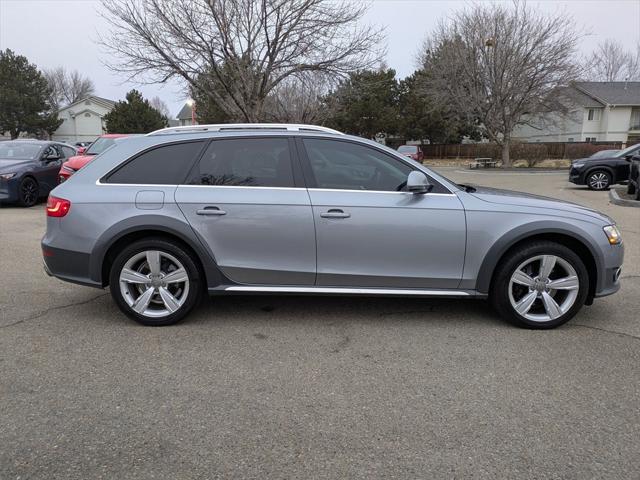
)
(251, 162)
(165, 165)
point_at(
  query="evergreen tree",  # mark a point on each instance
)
(365, 104)
(135, 115)
(24, 98)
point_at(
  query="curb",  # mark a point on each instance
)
(615, 198)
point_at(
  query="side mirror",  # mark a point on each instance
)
(417, 182)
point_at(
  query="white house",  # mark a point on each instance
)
(599, 111)
(83, 121)
(186, 115)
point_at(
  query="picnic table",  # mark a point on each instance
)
(483, 163)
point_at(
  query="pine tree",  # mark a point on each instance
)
(135, 115)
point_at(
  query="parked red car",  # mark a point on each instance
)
(74, 164)
(412, 151)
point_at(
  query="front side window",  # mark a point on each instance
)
(248, 162)
(100, 145)
(164, 165)
(68, 152)
(348, 166)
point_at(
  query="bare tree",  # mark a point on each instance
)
(501, 65)
(299, 100)
(611, 62)
(250, 47)
(159, 104)
(67, 87)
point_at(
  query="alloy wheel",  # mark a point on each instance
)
(154, 283)
(543, 288)
(28, 192)
(599, 181)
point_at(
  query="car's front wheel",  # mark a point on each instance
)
(28, 192)
(155, 282)
(599, 180)
(540, 285)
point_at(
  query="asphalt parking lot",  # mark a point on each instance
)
(299, 387)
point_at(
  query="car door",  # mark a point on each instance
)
(369, 232)
(47, 172)
(246, 199)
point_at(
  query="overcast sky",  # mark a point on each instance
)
(63, 32)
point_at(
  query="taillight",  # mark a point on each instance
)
(57, 207)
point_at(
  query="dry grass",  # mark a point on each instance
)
(452, 162)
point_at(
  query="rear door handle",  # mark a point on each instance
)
(335, 213)
(211, 211)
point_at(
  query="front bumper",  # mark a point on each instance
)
(575, 176)
(8, 190)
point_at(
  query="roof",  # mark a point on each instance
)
(581, 98)
(611, 93)
(185, 112)
(105, 102)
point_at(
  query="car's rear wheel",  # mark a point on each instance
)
(28, 192)
(631, 188)
(155, 282)
(541, 285)
(599, 180)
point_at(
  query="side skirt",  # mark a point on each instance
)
(292, 290)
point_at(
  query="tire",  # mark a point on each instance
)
(159, 302)
(28, 192)
(537, 311)
(631, 188)
(599, 180)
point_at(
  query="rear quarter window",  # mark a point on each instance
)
(163, 165)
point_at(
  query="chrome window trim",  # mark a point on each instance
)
(159, 185)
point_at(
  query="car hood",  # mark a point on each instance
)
(79, 161)
(594, 160)
(509, 197)
(8, 165)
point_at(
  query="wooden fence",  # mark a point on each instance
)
(519, 151)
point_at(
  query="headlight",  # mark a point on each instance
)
(578, 164)
(613, 234)
(68, 169)
(7, 176)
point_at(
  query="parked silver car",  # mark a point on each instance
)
(289, 209)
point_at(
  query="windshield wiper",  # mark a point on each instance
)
(467, 188)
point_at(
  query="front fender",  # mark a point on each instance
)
(531, 230)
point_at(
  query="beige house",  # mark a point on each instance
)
(600, 111)
(83, 121)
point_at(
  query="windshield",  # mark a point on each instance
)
(407, 149)
(19, 150)
(99, 146)
(605, 153)
(627, 151)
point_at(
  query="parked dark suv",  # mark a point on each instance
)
(599, 173)
(634, 177)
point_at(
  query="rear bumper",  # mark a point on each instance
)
(67, 265)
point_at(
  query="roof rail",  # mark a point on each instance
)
(292, 127)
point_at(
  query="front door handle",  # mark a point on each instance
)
(335, 213)
(211, 211)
